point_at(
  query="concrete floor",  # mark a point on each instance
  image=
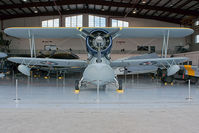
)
(51, 105)
(52, 92)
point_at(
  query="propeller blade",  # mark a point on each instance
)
(112, 33)
(85, 32)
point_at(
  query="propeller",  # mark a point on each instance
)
(104, 36)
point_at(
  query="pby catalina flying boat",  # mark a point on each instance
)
(99, 66)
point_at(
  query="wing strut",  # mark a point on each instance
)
(165, 44)
(32, 44)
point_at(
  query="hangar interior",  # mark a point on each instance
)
(149, 92)
(96, 14)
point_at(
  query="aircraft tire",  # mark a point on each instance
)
(76, 84)
(120, 85)
(168, 79)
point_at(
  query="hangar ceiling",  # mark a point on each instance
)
(175, 11)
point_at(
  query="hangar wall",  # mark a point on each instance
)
(130, 45)
(193, 56)
(194, 46)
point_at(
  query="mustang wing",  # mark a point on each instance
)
(48, 62)
(147, 62)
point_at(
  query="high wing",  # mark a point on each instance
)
(75, 32)
(48, 62)
(145, 62)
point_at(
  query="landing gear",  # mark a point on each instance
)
(47, 77)
(167, 80)
(36, 74)
(164, 78)
(120, 89)
(77, 88)
(60, 77)
(193, 80)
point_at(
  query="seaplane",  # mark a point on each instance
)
(98, 68)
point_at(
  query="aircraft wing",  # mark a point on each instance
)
(147, 62)
(149, 32)
(3, 55)
(75, 32)
(39, 32)
(49, 62)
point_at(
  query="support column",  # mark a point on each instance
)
(165, 45)
(30, 42)
(32, 45)
(85, 20)
(61, 20)
(108, 21)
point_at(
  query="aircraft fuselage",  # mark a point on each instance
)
(101, 73)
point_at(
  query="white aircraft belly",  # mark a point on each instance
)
(98, 72)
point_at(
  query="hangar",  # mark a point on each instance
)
(99, 65)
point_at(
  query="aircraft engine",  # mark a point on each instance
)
(99, 37)
(172, 70)
(24, 69)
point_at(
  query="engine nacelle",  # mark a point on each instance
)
(98, 35)
(172, 70)
(24, 69)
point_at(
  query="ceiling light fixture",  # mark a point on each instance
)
(171, 3)
(144, 1)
